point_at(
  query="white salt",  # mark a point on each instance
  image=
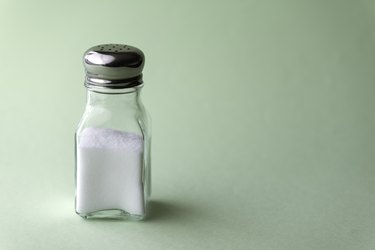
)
(109, 171)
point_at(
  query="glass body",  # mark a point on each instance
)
(113, 140)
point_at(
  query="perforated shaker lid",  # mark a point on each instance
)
(113, 66)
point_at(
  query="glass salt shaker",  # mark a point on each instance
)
(113, 137)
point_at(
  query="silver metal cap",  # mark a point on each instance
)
(113, 66)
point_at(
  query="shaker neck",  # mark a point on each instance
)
(117, 97)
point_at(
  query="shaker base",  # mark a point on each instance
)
(111, 214)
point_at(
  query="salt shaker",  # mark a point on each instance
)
(113, 137)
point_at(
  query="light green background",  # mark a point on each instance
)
(263, 122)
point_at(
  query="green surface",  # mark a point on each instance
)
(263, 123)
